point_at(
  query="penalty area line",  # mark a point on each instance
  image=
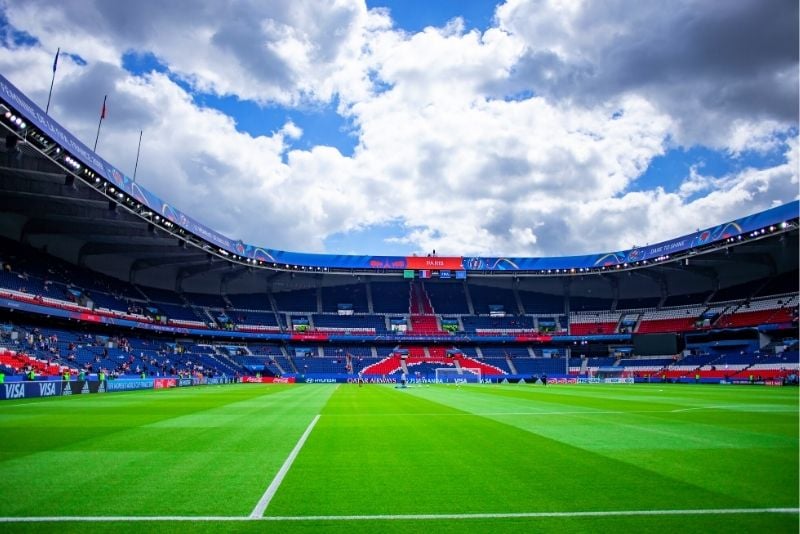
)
(258, 511)
(402, 517)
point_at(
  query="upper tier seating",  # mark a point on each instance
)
(208, 301)
(586, 323)
(255, 301)
(542, 303)
(162, 295)
(589, 304)
(351, 294)
(669, 320)
(760, 311)
(390, 297)
(485, 296)
(447, 297)
(298, 300)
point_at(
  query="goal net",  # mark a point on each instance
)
(452, 375)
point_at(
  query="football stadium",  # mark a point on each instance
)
(157, 374)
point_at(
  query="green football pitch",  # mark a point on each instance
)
(343, 458)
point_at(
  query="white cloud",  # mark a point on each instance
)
(292, 131)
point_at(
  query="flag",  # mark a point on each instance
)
(103, 110)
(55, 61)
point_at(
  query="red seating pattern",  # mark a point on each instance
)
(667, 325)
(755, 318)
(392, 363)
(20, 361)
(585, 329)
(425, 324)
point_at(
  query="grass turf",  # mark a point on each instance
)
(377, 450)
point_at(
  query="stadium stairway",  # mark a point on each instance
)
(511, 365)
(423, 320)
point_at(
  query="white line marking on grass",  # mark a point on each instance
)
(699, 408)
(511, 515)
(258, 511)
(120, 518)
(401, 517)
(493, 414)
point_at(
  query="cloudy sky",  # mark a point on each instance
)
(530, 127)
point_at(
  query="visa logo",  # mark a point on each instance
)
(47, 389)
(15, 391)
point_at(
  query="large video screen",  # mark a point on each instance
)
(656, 344)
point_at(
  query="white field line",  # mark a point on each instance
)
(701, 408)
(494, 414)
(258, 511)
(402, 517)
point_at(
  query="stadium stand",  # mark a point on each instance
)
(447, 298)
(301, 300)
(483, 297)
(541, 303)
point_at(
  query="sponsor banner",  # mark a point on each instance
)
(129, 385)
(373, 380)
(570, 380)
(76, 387)
(29, 390)
(312, 336)
(269, 380)
(434, 263)
(627, 380)
(219, 380)
(533, 338)
(595, 380)
(183, 382)
(162, 383)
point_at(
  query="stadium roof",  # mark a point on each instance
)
(59, 195)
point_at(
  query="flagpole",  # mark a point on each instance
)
(52, 81)
(135, 167)
(99, 124)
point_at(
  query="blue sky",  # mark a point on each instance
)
(394, 127)
(414, 16)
